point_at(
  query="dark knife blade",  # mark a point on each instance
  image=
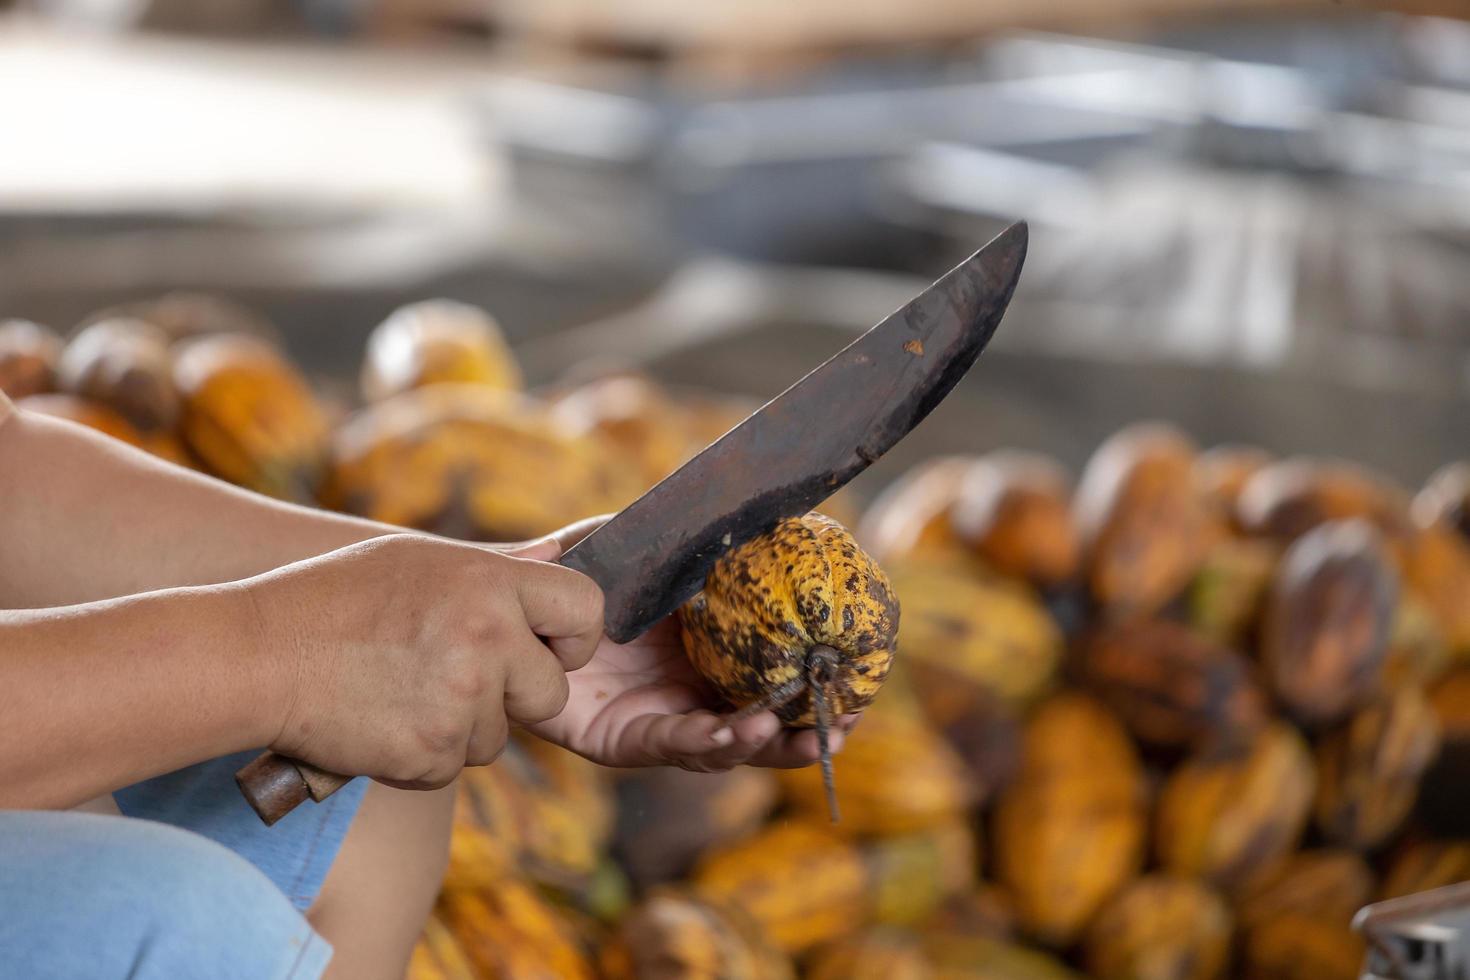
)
(802, 446)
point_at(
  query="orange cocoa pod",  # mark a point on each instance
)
(1445, 499)
(1162, 928)
(674, 935)
(28, 356)
(1423, 864)
(1290, 497)
(1014, 510)
(93, 415)
(438, 955)
(1299, 947)
(1328, 884)
(1145, 528)
(437, 341)
(1171, 686)
(1328, 621)
(509, 932)
(882, 954)
(1437, 570)
(126, 365)
(911, 518)
(1221, 473)
(639, 423)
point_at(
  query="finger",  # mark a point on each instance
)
(564, 607)
(751, 735)
(663, 739)
(795, 749)
(553, 545)
(535, 687)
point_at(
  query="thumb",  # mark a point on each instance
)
(555, 544)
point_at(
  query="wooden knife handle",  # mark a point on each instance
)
(274, 785)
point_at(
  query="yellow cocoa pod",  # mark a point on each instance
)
(1227, 594)
(1298, 947)
(1328, 622)
(1288, 498)
(250, 416)
(673, 935)
(1221, 473)
(438, 956)
(1161, 928)
(802, 883)
(667, 817)
(436, 341)
(1437, 570)
(911, 518)
(1327, 884)
(895, 775)
(477, 858)
(1172, 687)
(1417, 653)
(913, 874)
(1445, 499)
(1069, 829)
(960, 957)
(1424, 864)
(1014, 510)
(881, 954)
(1368, 771)
(28, 356)
(509, 932)
(1229, 812)
(1145, 527)
(468, 462)
(967, 640)
(646, 429)
(126, 365)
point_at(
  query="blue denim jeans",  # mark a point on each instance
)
(188, 883)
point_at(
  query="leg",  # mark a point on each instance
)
(83, 895)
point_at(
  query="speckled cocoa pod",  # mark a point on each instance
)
(1162, 928)
(1229, 812)
(1288, 498)
(674, 935)
(1069, 830)
(1298, 947)
(966, 639)
(1326, 628)
(1327, 884)
(1228, 592)
(28, 356)
(803, 883)
(911, 518)
(913, 874)
(1424, 864)
(882, 954)
(1445, 499)
(895, 775)
(126, 365)
(1171, 686)
(1368, 770)
(1014, 510)
(1222, 472)
(667, 817)
(1145, 528)
(1437, 569)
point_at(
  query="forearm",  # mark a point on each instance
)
(102, 695)
(83, 517)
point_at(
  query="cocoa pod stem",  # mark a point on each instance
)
(820, 665)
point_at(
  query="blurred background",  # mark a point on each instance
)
(1248, 217)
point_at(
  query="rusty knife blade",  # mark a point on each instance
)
(802, 446)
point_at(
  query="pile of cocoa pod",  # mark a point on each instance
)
(1177, 718)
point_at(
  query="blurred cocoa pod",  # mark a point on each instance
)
(436, 341)
(82, 411)
(803, 884)
(126, 365)
(961, 957)
(914, 874)
(477, 857)
(1441, 810)
(250, 416)
(1069, 829)
(439, 956)
(966, 639)
(1145, 528)
(1014, 510)
(1172, 687)
(1368, 770)
(911, 518)
(1445, 499)
(1299, 947)
(1424, 864)
(1228, 592)
(181, 315)
(1326, 884)
(988, 740)
(1437, 569)
(983, 911)
(1231, 811)
(1221, 473)
(673, 935)
(895, 775)
(1286, 499)
(507, 930)
(636, 419)
(1417, 654)
(1161, 928)
(667, 817)
(1326, 628)
(881, 954)
(28, 356)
